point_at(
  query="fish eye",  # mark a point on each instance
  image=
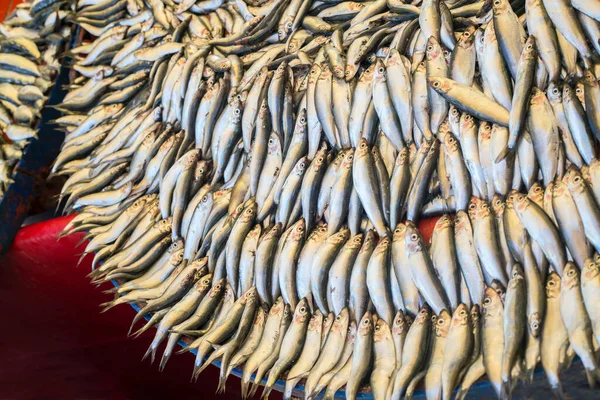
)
(571, 272)
(436, 84)
(535, 325)
(289, 25)
(497, 3)
(366, 321)
(577, 179)
(466, 34)
(381, 70)
(551, 283)
(472, 206)
(351, 157)
(462, 313)
(529, 47)
(338, 318)
(414, 237)
(487, 301)
(377, 328)
(302, 120)
(302, 310)
(236, 111)
(555, 91)
(270, 141)
(429, 48)
(440, 321)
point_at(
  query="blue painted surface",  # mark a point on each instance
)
(38, 155)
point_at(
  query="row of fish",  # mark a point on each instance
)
(32, 39)
(253, 173)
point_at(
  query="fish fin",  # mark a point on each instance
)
(503, 154)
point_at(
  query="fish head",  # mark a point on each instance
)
(553, 285)
(451, 144)
(440, 85)
(461, 315)
(500, 6)
(478, 208)
(454, 115)
(534, 322)
(498, 205)
(521, 202)
(574, 180)
(560, 189)
(204, 283)
(362, 149)
(590, 270)
(399, 327)
(461, 222)
(368, 243)
(274, 144)
(325, 71)
(433, 49)
(444, 222)
(277, 307)
(249, 212)
(285, 27)
(302, 312)
(348, 159)
(467, 37)
(366, 75)
(381, 331)
(314, 73)
(316, 321)
(402, 158)
(597, 258)
(423, 316)
(555, 95)
(585, 173)
(589, 79)
(442, 324)
(379, 73)
(414, 241)
(485, 131)
(217, 289)
(399, 232)
(492, 303)
(165, 225)
(536, 193)
(570, 278)
(355, 242)
(517, 276)
(297, 232)
(341, 321)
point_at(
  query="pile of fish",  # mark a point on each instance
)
(253, 173)
(32, 39)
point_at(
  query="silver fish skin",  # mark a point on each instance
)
(359, 295)
(330, 353)
(420, 185)
(436, 67)
(400, 87)
(459, 346)
(577, 123)
(540, 26)
(444, 258)
(433, 376)
(384, 361)
(543, 128)
(416, 344)
(311, 184)
(499, 208)
(589, 289)
(493, 338)
(470, 100)
(382, 100)
(570, 223)
(565, 19)
(514, 321)
(486, 240)
(510, 34)
(338, 282)
(555, 339)
(576, 319)
(496, 72)
(470, 151)
(459, 174)
(586, 205)
(399, 185)
(555, 96)
(410, 293)
(361, 355)
(378, 280)
(365, 183)
(464, 58)
(422, 270)
(305, 261)
(467, 257)
(524, 80)
(323, 259)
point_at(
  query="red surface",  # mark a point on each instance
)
(54, 343)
